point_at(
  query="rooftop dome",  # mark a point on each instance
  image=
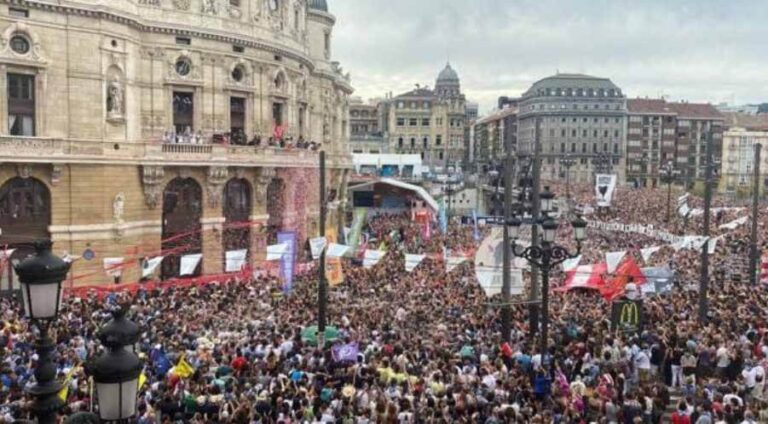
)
(574, 85)
(320, 5)
(448, 75)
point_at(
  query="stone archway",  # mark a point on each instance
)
(25, 215)
(182, 212)
(237, 214)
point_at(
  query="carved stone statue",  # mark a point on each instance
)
(118, 207)
(115, 96)
(209, 6)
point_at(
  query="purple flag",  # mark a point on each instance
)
(345, 352)
(288, 261)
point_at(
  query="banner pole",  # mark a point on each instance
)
(322, 289)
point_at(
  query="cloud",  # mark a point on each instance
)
(699, 50)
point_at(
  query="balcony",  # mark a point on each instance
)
(51, 150)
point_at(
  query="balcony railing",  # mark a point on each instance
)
(51, 150)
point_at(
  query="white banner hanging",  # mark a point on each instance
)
(412, 261)
(336, 250)
(235, 260)
(712, 246)
(452, 262)
(491, 280)
(275, 252)
(605, 184)
(372, 257)
(150, 266)
(113, 266)
(613, 259)
(317, 245)
(648, 252)
(735, 223)
(570, 264)
(189, 263)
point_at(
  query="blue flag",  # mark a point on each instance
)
(160, 361)
(443, 217)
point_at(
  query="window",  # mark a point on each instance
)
(426, 105)
(183, 67)
(21, 105)
(237, 119)
(594, 133)
(296, 19)
(562, 132)
(18, 13)
(277, 113)
(584, 133)
(413, 142)
(425, 142)
(238, 49)
(20, 44)
(439, 140)
(562, 147)
(183, 111)
(425, 122)
(400, 143)
(573, 147)
(238, 73)
(616, 133)
(234, 3)
(327, 43)
(440, 155)
(278, 58)
(594, 147)
(185, 41)
(584, 148)
(400, 122)
(439, 122)
(413, 122)
(573, 133)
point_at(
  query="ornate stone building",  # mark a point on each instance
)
(123, 124)
(429, 122)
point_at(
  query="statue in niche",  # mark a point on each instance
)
(115, 98)
(209, 6)
(118, 207)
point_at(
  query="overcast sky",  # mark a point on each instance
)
(697, 50)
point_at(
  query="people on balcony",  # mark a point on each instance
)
(238, 138)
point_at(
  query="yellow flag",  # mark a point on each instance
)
(64, 392)
(183, 369)
(142, 379)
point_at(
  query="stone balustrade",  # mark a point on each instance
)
(51, 150)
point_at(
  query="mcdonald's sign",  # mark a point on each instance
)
(627, 315)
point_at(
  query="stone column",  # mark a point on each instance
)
(213, 254)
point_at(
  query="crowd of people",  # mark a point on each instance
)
(429, 343)
(239, 138)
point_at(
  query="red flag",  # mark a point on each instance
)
(585, 277)
(278, 132)
(627, 272)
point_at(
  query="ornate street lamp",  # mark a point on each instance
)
(40, 276)
(116, 374)
(568, 161)
(547, 255)
(120, 331)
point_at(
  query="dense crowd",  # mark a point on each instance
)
(429, 342)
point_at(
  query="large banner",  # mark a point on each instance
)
(288, 260)
(334, 272)
(605, 184)
(358, 221)
(627, 316)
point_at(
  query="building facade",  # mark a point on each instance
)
(430, 123)
(659, 132)
(743, 132)
(494, 136)
(123, 127)
(366, 135)
(574, 115)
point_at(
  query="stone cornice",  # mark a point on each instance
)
(322, 17)
(100, 12)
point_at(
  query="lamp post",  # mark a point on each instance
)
(40, 277)
(668, 175)
(568, 161)
(547, 255)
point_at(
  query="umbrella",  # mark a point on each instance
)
(309, 334)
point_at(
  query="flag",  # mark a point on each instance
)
(627, 273)
(316, 245)
(570, 264)
(345, 352)
(613, 259)
(412, 261)
(372, 257)
(183, 369)
(189, 264)
(142, 379)
(64, 392)
(334, 272)
(585, 277)
(443, 217)
(648, 252)
(278, 131)
(475, 231)
(234, 260)
(160, 361)
(150, 265)
(275, 252)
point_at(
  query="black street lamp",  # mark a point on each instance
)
(40, 276)
(547, 255)
(568, 161)
(602, 163)
(668, 176)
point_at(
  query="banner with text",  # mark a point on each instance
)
(288, 259)
(605, 184)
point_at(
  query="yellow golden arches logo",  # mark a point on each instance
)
(630, 315)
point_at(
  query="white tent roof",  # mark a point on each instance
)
(389, 181)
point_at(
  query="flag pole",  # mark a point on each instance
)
(322, 289)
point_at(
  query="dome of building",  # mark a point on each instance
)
(447, 75)
(574, 85)
(321, 5)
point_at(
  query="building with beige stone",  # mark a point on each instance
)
(430, 122)
(125, 128)
(738, 154)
